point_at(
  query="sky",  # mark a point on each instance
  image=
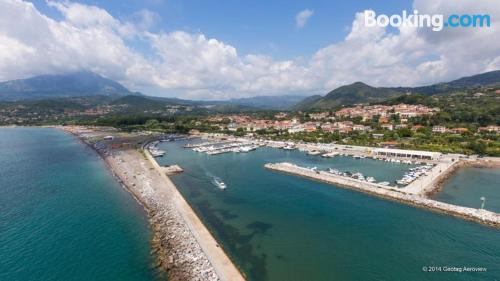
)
(231, 49)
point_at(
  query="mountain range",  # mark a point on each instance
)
(82, 83)
(362, 93)
(89, 84)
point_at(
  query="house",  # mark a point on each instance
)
(378, 136)
(458, 130)
(490, 129)
(439, 129)
(383, 120)
(280, 115)
(389, 143)
(417, 127)
(360, 128)
(319, 116)
(389, 127)
(296, 129)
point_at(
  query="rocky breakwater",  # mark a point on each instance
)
(471, 214)
(183, 247)
(175, 246)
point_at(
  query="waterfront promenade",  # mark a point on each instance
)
(477, 215)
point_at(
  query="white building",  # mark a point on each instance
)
(391, 152)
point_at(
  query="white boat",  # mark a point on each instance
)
(157, 152)
(358, 176)
(314, 152)
(247, 148)
(370, 179)
(384, 183)
(289, 147)
(334, 171)
(219, 183)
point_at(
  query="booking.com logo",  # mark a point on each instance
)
(435, 21)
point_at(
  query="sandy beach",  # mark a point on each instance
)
(184, 246)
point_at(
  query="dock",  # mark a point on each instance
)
(391, 193)
(172, 169)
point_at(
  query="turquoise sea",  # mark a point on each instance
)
(281, 227)
(469, 184)
(63, 216)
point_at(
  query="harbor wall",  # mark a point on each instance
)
(477, 215)
(225, 268)
(181, 243)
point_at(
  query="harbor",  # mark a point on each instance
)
(264, 218)
(220, 147)
(410, 198)
(228, 174)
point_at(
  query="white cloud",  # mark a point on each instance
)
(302, 17)
(191, 65)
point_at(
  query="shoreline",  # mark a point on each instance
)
(183, 246)
(442, 179)
(484, 217)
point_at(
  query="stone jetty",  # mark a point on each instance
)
(471, 214)
(183, 245)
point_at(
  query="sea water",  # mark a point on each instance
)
(62, 214)
(468, 185)
(277, 226)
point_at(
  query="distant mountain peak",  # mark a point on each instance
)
(78, 83)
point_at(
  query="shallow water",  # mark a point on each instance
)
(281, 227)
(468, 185)
(63, 216)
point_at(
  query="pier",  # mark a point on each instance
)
(391, 193)
(224, 267)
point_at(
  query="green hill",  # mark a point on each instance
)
(362, 93)
(350, 94)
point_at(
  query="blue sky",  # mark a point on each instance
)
(264, 27)
(231, 49)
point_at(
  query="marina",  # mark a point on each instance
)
(218, 147)
(153, 149)
(478, 215)
(216, 144)
(264, 218)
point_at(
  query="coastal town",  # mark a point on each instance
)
(249, 140)
(345, 121)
